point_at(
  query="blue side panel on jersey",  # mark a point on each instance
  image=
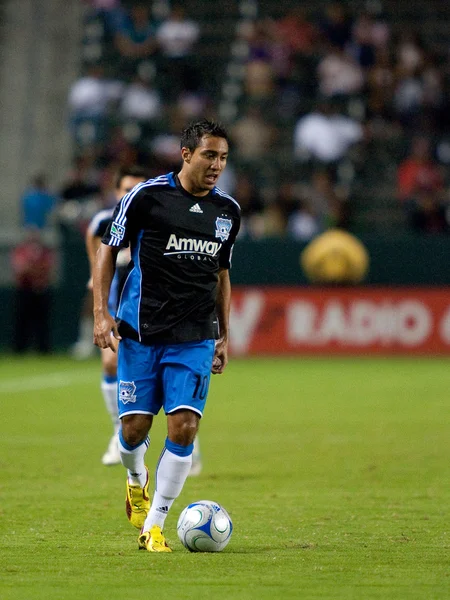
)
(130, 300)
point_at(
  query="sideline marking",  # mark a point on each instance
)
(46, 381)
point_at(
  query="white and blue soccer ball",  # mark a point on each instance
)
(204, 526)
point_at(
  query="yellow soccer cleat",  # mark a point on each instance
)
(137, 503)
(153, 540)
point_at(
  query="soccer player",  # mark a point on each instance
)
(126, 179)
(173, 315)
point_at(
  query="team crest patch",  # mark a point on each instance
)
(223, 228)
(127, 391)
(117, 231)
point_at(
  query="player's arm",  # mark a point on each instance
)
(103, 273)
(223, 301)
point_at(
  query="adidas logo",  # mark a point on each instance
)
(163, 509)
(196, 208)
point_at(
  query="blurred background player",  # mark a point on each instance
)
(126, 179)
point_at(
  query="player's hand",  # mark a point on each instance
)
(220, 359)
(106, 332)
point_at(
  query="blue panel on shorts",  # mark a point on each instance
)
(164, 376)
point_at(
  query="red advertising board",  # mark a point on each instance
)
(359, 321)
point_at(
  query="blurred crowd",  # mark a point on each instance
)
(316, 98)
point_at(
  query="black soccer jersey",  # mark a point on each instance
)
(178, 244)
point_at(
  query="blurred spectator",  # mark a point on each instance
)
(325, 135)
(408, 97)
(380, 85)
(419, 172)
(177, 37)
(165, 146)
(409, 53)
(362, 45)
(37, 203)
(192, 104)
(419, 96)
(91, 95)
(298, 32)
(140, 101)
(119, 149)
(329, 202)
(252, 207)
(267, 45)
(303, 224)
(91, 99)
(259, 81)
(336, 25)
(287, 203)
(253, 136)
(135, 37)
(339, 74)
(32, 263)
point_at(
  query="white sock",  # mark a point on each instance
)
(171, 473)
(133, 460)
(109, 392)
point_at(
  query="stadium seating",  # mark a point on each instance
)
(372, 176)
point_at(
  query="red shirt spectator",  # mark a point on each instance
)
(297, 32)
(32, 264)
(418, 173)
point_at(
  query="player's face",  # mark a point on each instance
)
(204, 165)
(127, 183)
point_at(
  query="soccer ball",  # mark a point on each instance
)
(204, 526)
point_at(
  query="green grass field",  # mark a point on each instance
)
(335, 472)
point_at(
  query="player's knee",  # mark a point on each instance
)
(183, 431)
(135, 428)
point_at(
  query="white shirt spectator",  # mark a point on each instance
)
(177, 37)
(303, 226)
(140, 102)
(338, 73)
(325, 137)
(90, 96)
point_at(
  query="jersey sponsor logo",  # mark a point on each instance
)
(127, 391)
(196, 209)
(117, 231)
(191, 245)
(223, 228)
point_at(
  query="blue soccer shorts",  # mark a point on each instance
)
(171, 377)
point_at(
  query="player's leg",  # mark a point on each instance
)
(109, 393)
(186, 375)
(139, 399)
(171, 473)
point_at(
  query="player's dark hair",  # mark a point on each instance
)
(131, 171)
(193, 133)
